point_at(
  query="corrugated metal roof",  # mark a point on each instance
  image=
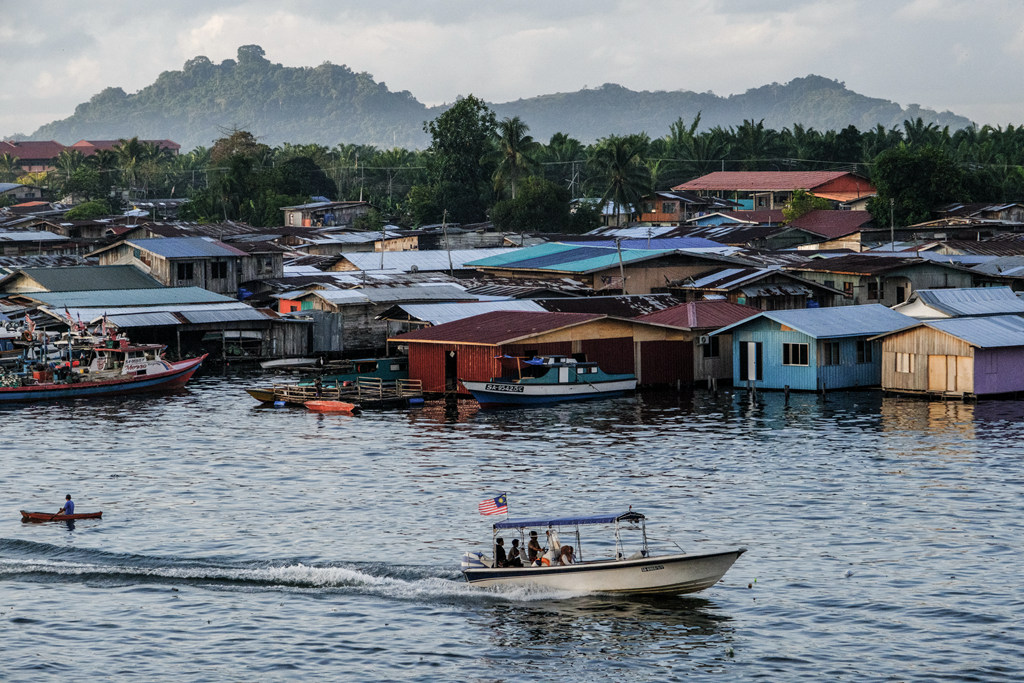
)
(838, 321)
(987, 332)
(166, 314)
(752, 181)
(123, 298)
(30, 236)
(186, 247)
(632, 233)
(700, 315)
(155, 319)
(222, 315)
(624, 306)
(971, 301)
(498, 327)
(406, 261)
(568, 258)
(92, 278)
(440, 314)
(697, 244)
(378, 295)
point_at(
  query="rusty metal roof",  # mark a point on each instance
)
(499, 327)
(699, 315)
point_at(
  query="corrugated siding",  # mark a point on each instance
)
(427, 363)
(920, 342)
(611, 355)
(713, 368)
(776, 375)
(849, 373)
(666, 362)
(998, 371)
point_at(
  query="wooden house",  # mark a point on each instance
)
(193, 262)
(959, 357)
(765, 289)
(673, 207)
(876, 278)
(813, 349)
(324, 213)
(711, 355)
(773, 189)
(470, 348)
(933, 304)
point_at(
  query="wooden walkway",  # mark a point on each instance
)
(366, 392)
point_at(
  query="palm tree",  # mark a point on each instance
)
(620, 170)
(755, 143)
(515, 155)
(10, 167)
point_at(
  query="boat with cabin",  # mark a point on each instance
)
(547, 379)
(108, 366)
(637, 573)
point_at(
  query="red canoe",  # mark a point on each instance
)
(330, 406)
(50, 517)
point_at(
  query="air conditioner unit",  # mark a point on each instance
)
(703, 340)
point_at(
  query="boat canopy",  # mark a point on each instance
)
(565, 521)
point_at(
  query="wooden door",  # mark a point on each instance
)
(937, 373)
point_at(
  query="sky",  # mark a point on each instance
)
(962, 56)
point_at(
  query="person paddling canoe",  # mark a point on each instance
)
(69, 506)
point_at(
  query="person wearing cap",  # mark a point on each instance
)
(533, 549)
(69, 506)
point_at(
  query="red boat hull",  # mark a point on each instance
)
(330, 406)
(50, 517)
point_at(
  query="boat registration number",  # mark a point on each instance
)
(506, 388)
(653, 568)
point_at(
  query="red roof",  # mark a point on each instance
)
(761, 181)
(699, 315)
(832, 224)
(32, 149)
(88, 147)
(498, 327)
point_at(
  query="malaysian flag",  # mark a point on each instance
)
(494, 506)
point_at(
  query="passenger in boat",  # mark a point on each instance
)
(500, 560)
(533, 549)
(69, 506)
(566, 557)
(515, 556)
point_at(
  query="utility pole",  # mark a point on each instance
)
(892, 224)
(622, 271)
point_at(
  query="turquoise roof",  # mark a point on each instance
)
(568, 258)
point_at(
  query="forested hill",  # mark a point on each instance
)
(330, 104)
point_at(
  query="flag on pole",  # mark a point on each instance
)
(494, 506)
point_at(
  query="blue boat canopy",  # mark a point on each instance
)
(565, 521)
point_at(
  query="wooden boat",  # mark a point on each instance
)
(337, 378)
(330, 406)
(121, 368)
(548, 379)
(50, 517)
(638, 573)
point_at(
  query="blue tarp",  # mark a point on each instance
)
(564, 521)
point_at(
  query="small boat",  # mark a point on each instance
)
(638, 573)
(547, 379)
(50, 517)
(288, 363)
(330, 406)
(336, 377)
(110, 367)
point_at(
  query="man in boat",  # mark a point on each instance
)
(533, 549)
(499, 553)
(515, 555)
(69, 506)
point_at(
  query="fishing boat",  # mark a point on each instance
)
(50, 517)
(331, 406)
(639, 572)
(546, 379)
(110, 367)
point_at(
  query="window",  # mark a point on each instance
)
(830, 353)
(830, 283)
(794, 354)
(848, 288)
(905, 362)
(668, 207)
(875, 290)
(865, 352)
(648, 207)
(712, 349)
(185, 271)
(219, 270)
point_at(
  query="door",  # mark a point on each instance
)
(937, 373)
(750, 361)
(451, 371)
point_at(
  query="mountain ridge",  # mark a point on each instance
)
(331, 104)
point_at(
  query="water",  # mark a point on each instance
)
(238, 542)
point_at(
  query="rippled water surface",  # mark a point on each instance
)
(240, 542)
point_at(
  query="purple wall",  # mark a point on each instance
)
(998, 371)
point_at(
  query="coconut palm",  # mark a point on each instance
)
(620, 173)
(10, 167)
(515, 155)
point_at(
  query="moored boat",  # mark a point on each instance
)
(330, 406)
(50, 517)
(637, 573)
(548, 379)
(111, 368)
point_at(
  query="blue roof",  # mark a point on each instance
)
(655, 243)
(986, 332)
(572, 258)
(186, 247)
(565, 521)
(837, 321)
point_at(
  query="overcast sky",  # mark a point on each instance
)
(963, 56)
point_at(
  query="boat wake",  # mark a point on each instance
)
(40, 562)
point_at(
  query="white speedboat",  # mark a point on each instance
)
(639, 572)
(547, 379)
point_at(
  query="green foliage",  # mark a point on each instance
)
(539, 206)
(89, 210)
(618, 171)
(911, 181)
(802, 203)
(371, 221)
(514, 157)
